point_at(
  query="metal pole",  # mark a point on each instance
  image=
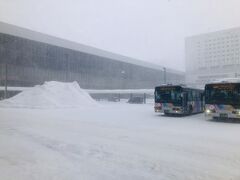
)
(67, 68)
(165, 75)
(123, 78)
(144, 98)
(6, 81)
(131, 95)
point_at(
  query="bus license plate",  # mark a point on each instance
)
(223, 115)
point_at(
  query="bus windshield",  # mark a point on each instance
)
(168, 95)
(223, 94)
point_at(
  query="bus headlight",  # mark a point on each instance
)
(236, 112)
(208, 111)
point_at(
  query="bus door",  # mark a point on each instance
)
(184, 101)
(202, 101)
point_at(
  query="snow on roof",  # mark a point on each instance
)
(182, 85)
(44, 38)
(225, 80)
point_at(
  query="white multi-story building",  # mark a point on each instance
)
(213, 56)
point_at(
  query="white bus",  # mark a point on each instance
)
(178, 100)
(222, 99)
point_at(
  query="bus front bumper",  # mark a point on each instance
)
(175, 110)
(222, 114)
(158, 110)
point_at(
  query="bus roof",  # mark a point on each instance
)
(225, 80)
(178, 85)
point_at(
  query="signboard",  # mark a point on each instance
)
(224, 86)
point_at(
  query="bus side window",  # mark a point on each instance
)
(203, 97)
(198, 96)
(190, 96)
(194, 95)
(184, 98)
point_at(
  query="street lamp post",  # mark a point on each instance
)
(6, 80)
(165, 75)
(123, 75)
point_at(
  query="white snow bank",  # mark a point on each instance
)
(51, 95)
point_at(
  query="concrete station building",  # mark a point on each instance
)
(28, 58)
(213, 56)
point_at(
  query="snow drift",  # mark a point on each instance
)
(51, 95)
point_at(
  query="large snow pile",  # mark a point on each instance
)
(51, 95)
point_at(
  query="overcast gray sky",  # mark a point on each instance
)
(149, 30)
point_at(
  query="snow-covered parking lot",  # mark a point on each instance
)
(115, 141)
